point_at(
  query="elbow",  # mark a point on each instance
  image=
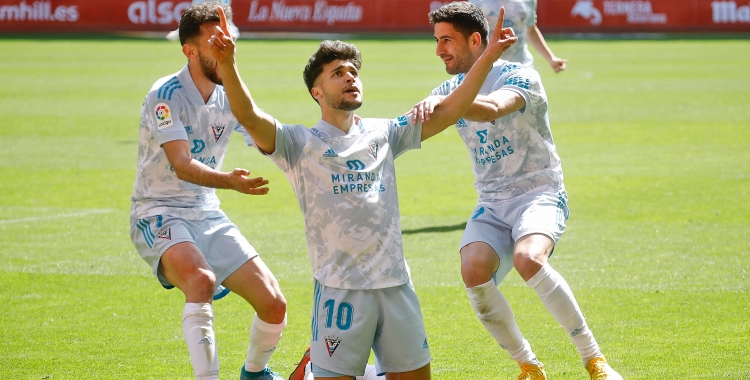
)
(181, 174)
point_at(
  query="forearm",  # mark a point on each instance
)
(261, 126)
(242, 104)
(483, 109)
(197, 173)
(537, 41)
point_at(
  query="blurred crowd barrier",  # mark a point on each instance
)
(372, 16)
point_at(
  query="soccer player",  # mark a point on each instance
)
(522, 206)
(521, 16)
(342, 172)
(176, 223)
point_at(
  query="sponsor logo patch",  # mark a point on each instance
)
(332, 342)
(330, 153)
(165, 234)
(163, 116)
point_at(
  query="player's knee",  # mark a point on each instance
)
(201, 284)
(477, 268)
(527, 263)
(273, 309)
(277, 309)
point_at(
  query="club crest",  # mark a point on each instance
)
(373, 150)
(218, 130)
(332, 343)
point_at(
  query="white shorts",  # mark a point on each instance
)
(500, 224)
(347, 323)
(218, 239)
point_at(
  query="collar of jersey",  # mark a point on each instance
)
(332, 131)
(192, 91)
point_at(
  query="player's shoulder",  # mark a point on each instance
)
(505, 71)
(448, 85)
(165, 90)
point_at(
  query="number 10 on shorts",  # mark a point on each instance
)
(343, 314)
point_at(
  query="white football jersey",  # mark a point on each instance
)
(519, 15)
(346, 188)
(515, 153)
(174, 110)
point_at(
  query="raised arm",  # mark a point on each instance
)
(193, 171)
(259, 124)
(537, 41)
(454, 106)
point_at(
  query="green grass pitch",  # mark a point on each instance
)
(655, 142)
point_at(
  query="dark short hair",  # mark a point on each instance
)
(329, 51)
(198, 15)
(465, 17)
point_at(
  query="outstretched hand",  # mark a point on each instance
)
(243, 184)
(221, 43)
(501, 38)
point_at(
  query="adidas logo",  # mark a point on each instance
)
(425, 346)
(207, 340)
(330, 153)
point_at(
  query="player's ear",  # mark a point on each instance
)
(189, 50)
(316, 93)
(475, 40)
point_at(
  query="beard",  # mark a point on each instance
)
(208, 68)
(462, 63)
(340, 104)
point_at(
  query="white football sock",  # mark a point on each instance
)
(198, 331)
(495, 313)
(560, 302)
(264, 337)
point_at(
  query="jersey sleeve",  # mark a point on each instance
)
(162, 117)
(403, 135)
(526, 82)
(448, 86)
(290, 140)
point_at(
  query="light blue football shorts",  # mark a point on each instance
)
(218, 239)
(347, 323)
(500, 224)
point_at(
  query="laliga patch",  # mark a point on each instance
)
(165, 234)
(218, 130)
(163, 116)
(332, 343)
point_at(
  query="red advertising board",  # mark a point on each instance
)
(362, 16)
(636, 16)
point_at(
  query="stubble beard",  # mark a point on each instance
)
(209, 70)
(461, 64)
(341, 104)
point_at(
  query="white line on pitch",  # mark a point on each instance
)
(47, 217)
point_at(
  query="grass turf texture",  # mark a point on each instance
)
(654, 137)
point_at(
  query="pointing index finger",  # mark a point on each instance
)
(501, 19)
(222, 20)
